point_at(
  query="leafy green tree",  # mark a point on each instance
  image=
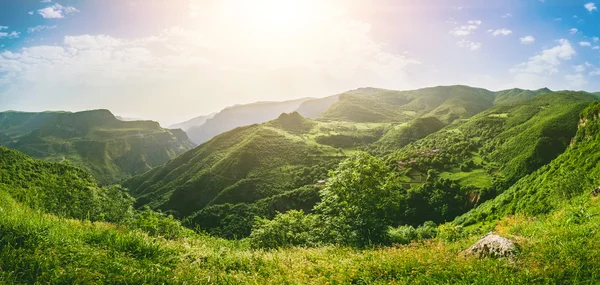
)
(289, 229)
(360, 200)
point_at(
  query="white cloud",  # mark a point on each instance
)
(573, 31)
(501, 32)
(469, 44)
(547, 61)
(30, 12)
(507, 15)
(595, 72)
(46, 1)
(197, 65)
(579, 68)
(596, 47)
(585, 44)
(596, 39)
(576, 80)
(3, 28)
(590, 7)
(40, 28)
(56, 11)
(466, 29)
(527, 40)
(11, 35)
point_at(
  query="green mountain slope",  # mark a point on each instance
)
(447, 103)
(516, 95)
(572, 174)
(248, 164)
(403, 134)
(59, 188)
(489, 152)
(552, 214)
(110, 149)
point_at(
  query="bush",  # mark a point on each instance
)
(450, 232)
(427, 230)
(408, 234)
(290, 229)
(159, 224)
(402, 234)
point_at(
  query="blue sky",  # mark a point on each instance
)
(176, 59)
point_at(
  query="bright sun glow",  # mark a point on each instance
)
(276, 18)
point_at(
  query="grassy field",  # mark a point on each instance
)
(43, 249)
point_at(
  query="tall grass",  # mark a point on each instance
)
(37, 248)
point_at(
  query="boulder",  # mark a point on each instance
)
(493, 245)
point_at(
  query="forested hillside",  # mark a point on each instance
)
(110, 149)
(60, 227)
(260, 169)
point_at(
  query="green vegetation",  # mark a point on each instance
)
(109, 149)
(497, 147)
(223, 183)
(447, 103)
(572, 174)
(555, 248)
(360, 199)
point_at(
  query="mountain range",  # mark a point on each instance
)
(432, 170)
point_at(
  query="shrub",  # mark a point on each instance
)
(408, 234)
(159, 224)
(450, 232)
(290, 229)
(402, 234)
(427, 230)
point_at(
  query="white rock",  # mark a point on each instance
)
(492, 245)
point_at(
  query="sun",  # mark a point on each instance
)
(276, 18)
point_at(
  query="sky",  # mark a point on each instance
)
(171, 60)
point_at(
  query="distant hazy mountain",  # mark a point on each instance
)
(110, 149)
(313, 108)
(195, 122)
(242, 115)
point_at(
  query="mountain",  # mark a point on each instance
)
(486, 154)
(447, 103)
(241, 115)
(314, 107)
(516, 94)
(58, 188)
(573, 174)
(110, 149)
(219, 183)
(402, 134)
(58, 226)
(368, 105)
(195, 122)
(248, 164)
